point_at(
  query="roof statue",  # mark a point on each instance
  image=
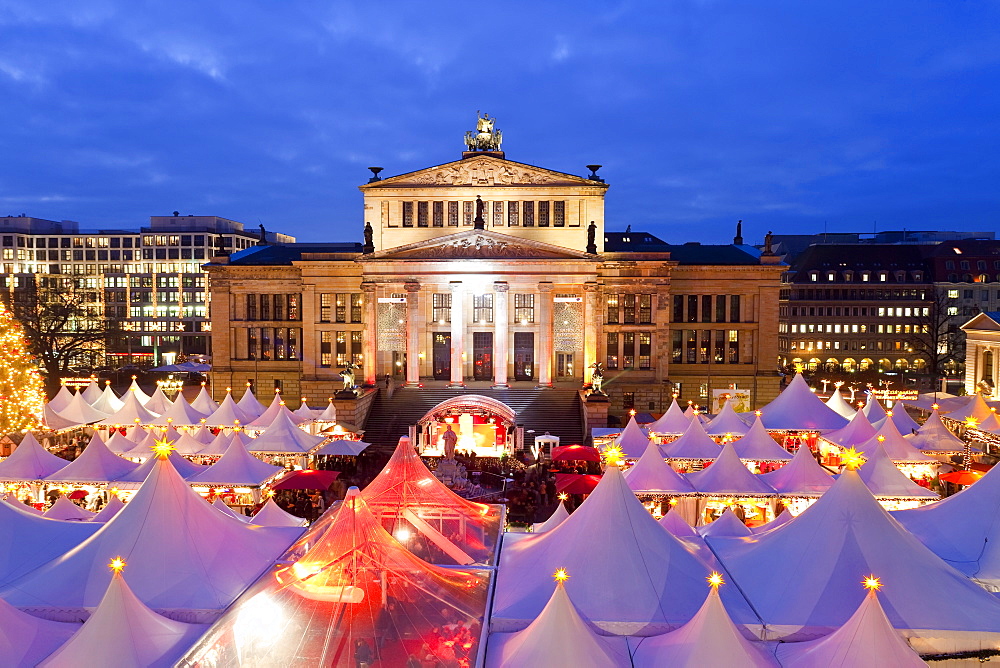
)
(485, 138)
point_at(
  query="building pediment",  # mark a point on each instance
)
(984, 322)
(482, 170)
(478, 244)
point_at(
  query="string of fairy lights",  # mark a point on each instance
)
(22, 392)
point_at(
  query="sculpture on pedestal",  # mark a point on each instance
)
(449, 438)
(350, 380)
(597, 379)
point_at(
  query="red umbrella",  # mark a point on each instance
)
(575, 483)
(563, 453)
(307, 479)
(77, 494)
(962, 477)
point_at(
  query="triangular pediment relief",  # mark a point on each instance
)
(478, 244)
(484, 170)
(986, 322)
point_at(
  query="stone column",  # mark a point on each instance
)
(369, 335)
(307, 340)
(457, 334)
(412, 334)
(545, 343)
(591, 321)
(501, 325)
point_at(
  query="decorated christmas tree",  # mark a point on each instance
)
(22, 394)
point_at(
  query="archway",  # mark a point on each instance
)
(484, 426)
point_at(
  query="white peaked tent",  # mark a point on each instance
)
(272, 515)
(855, 432)
(227, 414)
(221, 506)
(758, 446)
(652, 475)
(188, 444)
(248, 403)
(885, 480)
(182, 553)
(844, 533)
(276, 408)
(872, 409)
(282, 436)
(108, 402)
(555, 519)
(158, 402)
(781, 520)
(14, 501)
(120, 444)
(61, 400)
(673, 422)
(342, 448)
(218, 445)
(329, 414)
(990, 424)
(657, 582)
(709, 639)
(96, 464)
(963, 529)
(728, 475)
(64, 509)
(690, 412)
(694, 444)
(935, 438)
(728, 524)
(30, 461)
(632, 440)
(203, 434)
(898, 448)
(839, 405)
(137, 391)
(238, 468)
(303, 411)
(557, 637)
(92, 392)
(204, 403)
(866, 639)
(131, 412)
(122, 632)
(28, 540)
(904, 423)
(76, 413)
(136, 477)
(109, 510)
(974, 407)
(678, 526)
(798, 408)
(803, 476)
(143, 449)
(25, 639)
(727, 422)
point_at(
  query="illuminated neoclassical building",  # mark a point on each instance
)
(489, 272)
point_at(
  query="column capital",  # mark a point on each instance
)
(501, 286)
(545, 286)
(591, 286)
(412, 286)
(368, 286)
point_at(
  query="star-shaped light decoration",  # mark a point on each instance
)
(163, 448)
(613, 455)
(563, 496)
(715, 580)
(851, 459)
(117, 565)
(881, 438)
(799, 367)
(758, 412)
(971, 421)
(560, 575)
(872, 583)
(269, 493)
(889, 413)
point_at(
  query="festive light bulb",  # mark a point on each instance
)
(162, 448)
(560, 575)
(758, 412)
(872, 583)
(971, 421)
(935, 406)
(881, 438)
(852, 459)
(715, 580)
(563, 496)
(117, 565)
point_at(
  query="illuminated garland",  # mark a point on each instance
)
(22, 393)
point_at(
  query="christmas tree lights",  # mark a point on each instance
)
(22, 393)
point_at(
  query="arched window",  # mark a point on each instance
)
(988, 366)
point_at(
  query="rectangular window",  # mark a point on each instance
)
(468, 213)
(438, 217)
(528, 215)
(734, 346)
(482, 308)
(279, 307)
(628, 400)
(678, 308)
(293, 307)
(645, 349)
(326, 349)
(422, 217)
(452, 214)
(524, 307)
(512, 214)
(628, 309)
(252, 343)
(279, 343)
(341, 348)
(677, 346)
(357, 302)
(265, 307)
(706, 308)
(265, 343)
(692, 311)
(543, 214)
(326, 307)
(720, 308)
(628, 350)
(407, 214)
(612, 305)
(646, 309)
(704, 346)
(691, 346)
(719, 351)
(441, 307)
(734, 308)
(497, 214)
(251, 307)
(612, 350)
(341, 310)
(558, 214)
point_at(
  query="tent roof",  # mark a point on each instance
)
(844, 533)
(557, 637)
(709, 639)
(218, 445)
(934, 436)
(781, 520)
(557, 516)
(885, 480)
(203, 403)
(898, 448)
(342, 447)
(30, 461)
(729, 475)
(693, 444)
(283, 436)
(758, 446)
(904, 423)
(727, 524)
(674, 421)
(186, 469)
(25, 639)
(108, 402)
(62, 399)
(182, 553)
(119, 443)
(798, 408)
(124, 632)
(96, 464)
(727, 422)
(92, 392)
(131, 411)
(144, 448)
(974, 407)
(237, 467)
(652, 475)
(65, 509)
(858, 430)
(865, 639)
(873, 409)
(224, 508)
(839, 405)
(77, 412)
(276, 408)
(228, 414)
(137, 391)
(803, 476)
(180, 414)
(632, 440)
(109, 510)
(329, 414)
(658, 579)
(303, 411)
(158, 402)
(678, 526)
(187, 444)
(249, 405)
(272, 515)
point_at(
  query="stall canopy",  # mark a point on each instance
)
(249, 405)
(76, 413)
(272, 515)
(218, 445)
(781, 520)
(758, 446)
(975, 407)
(935, 438)
(92, 392)
(839, 405)
(221, 506)
(30, 461)
(303, 411)
(179, 414)
(136, 477)
(904, 423)
(557, 516)
(64, 509)
(885, 480)
(346, 580)
(803, 476)
(658, 582)
(237, 468)
(899, 449)
(124, 632)
(727, 422)
(182, 554)
(97, 464)
(866, 639)
(855, 432)
(188, 444)
(228, 414)
(694, 444)
(120, 444)
(283, 437)
(131, 412)
(844, 533)
(111, 509)
(673, 422)
(342, 448)
(927, 401)
(108, 402)
(276, 409)
(727, 524)
(203, 403)
(158, 402)
(306, 479)
(652, 475)
(329, 414)
(557, 637)
(678, 526)
(872, 409)
(135, 390)
(576, 483)
(798, 408)
(25, 639)
(61, 400)
(570, 453)
(709, 639)
(728, 475)
(632, 440)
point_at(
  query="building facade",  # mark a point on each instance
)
(489, 271)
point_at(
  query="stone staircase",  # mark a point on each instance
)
(556, 411)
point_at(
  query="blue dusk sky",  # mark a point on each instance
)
(790, 115)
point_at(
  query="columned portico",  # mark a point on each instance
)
(457, 334)
(501, 325)
(412, 334)
(545, 338)
(368, 335)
